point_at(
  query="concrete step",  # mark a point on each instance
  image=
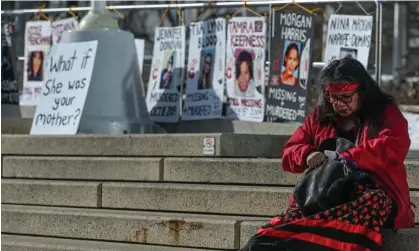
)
(202, 170)
(404, 239)
(52, 193)
(223, 199)
(86, 168)
(226, 145)
(142, 227)
(30, 243)
(194, 198)
(189, 230)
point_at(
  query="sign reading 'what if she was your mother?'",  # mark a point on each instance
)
(68, 74)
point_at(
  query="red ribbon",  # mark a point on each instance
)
(341, 87)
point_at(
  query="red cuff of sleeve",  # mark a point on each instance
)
(346, 155)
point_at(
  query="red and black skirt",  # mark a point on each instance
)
(353, 226)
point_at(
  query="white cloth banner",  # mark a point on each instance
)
(69, 72)
(349, 35)
(37, 44)
(206, 70)
(246, 48)
(166, 75)
(62, 25)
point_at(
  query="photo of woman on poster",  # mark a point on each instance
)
(348, 52)
(206, 70)
(36, 66)
(166, 73)
(291, 61)
(244, 84)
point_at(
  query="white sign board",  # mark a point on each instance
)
(349, 35)
(62, 25)
(69, 70)
(37, 45)
(413, 122)
(166, 74)
(245, 71)
(209, 146)
(205, 80)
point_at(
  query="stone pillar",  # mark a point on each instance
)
(399, 38)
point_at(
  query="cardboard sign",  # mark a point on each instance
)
(68, 74)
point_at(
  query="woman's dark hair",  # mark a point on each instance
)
(292, 46)
(41, 57)
(244, 56)
(171, 59)
(373, 101)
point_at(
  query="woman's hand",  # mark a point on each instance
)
(315, 159)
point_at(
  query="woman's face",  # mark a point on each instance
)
(244, 76)
(207, 64)
(169, 65)
(291, 61)
(344, 103)
(36, 61)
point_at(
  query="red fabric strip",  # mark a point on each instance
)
(314, 238)
(341, 87)
(343, 226)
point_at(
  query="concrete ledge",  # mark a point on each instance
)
(56, 193)
(28, 243)
(226, 145)
(192, 170)
(189, 230)
(404, 239)
(236, 126)
(223, 199)
(248, 229)
(88, 168)
(15, 125)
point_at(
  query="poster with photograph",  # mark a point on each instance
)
(37, 44)
(62, 25)
(166, 75)
(245, 75)
(290, 69)
(206, 70)
(349, 36)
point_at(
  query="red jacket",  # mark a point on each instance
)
(383, 156)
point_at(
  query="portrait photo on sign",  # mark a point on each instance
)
(36, 66)
(166, 76)
(348, 52)
(290, 63)
(206, 69)
(244, 84)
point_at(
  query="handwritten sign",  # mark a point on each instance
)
(166, 75)
(206, 66)
(69, 71)
(349, 35)
(290, 68)
(245, 74)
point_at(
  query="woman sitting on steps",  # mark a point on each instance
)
(352, 104)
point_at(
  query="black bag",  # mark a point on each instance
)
(328, 185)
